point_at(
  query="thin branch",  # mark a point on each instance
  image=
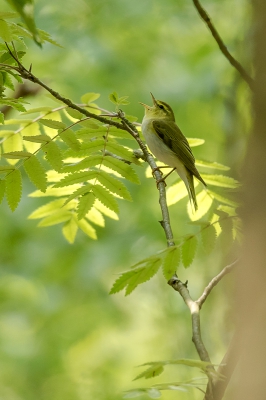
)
(214, 282)
(194, 309)
(222, 46)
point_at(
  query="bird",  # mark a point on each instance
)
(168, 144)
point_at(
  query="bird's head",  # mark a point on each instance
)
(159, 110)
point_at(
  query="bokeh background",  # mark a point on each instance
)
(62, 336)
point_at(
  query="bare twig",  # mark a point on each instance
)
(222, 46)
(194, 309)
(214, 282)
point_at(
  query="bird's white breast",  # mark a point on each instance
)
(161, 151)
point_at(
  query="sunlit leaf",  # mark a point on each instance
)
(47, 209)
(195, 142)
(122, 168)
(85, 204)
(212, 165)
(89, 97)
(87, 229)
(53, 124)
(84, 164)
(76, 177)
(155, 369)
(56, 218)
(13, 143)
(17, 155)
(177, 192)
(69, 137)
(105, 197)
(53, 155)
(220, 180)
(70, 229)
(114, 185)
(204, 204)
(36, 173)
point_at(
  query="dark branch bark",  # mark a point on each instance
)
(222, 46)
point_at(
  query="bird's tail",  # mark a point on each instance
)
(191, 190)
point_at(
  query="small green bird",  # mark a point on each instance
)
(169, 145)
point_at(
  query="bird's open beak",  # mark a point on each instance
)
(145, 105)
(153, 99)
(149, 107)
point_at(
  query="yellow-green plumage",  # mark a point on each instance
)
(169, 145)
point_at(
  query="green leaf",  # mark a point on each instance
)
(121, 168)
(89, 97)
(6, 168)
(195, 142)
(220, 180)
(171, 262)
(56, 218)
(12, 143)
(223, 199)
(37, 139)
(86, 149)
(114, 185)
(212, 165)
(70, 229)
(69, 137)
(79, 192)
(208, 238)
(131, 279)
(177, 192)
(36, 173)
(154, 370)
(5, 32)
(38, 110)
(2, 118)
(85, 204)
(53, 156)
(2, 189)
(119, 150)
(113, 97)
(53, 124)
(73, 113)
(17, 155)
(77, 177)
(47, 209)
(26, 10)
(96, 217)
(83, 164)
(87, 229)
(189, 248)
(13, 189)
(105, 197)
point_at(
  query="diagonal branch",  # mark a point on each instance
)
(222, 46)
(214, 282)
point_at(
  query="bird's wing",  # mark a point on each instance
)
(174, 138)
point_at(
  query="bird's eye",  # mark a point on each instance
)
(161, 106)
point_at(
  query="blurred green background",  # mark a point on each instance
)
(61, 335)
